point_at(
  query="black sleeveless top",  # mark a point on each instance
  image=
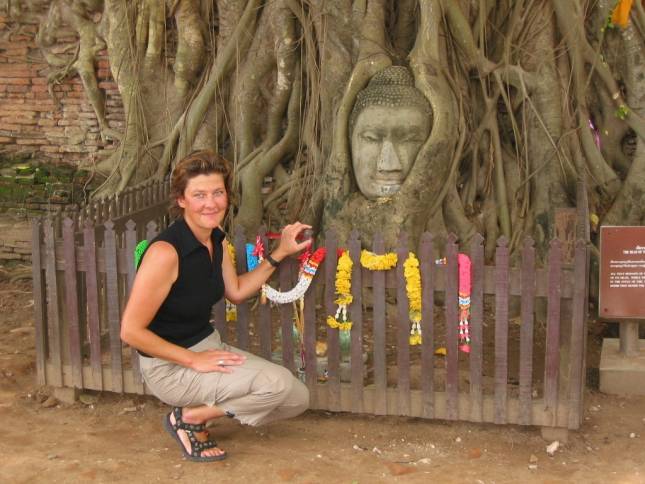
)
(183, 318)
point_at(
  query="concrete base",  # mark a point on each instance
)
(620, 374)
(66, 394)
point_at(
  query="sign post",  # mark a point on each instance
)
(622, 297)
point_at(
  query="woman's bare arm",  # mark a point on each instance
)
(155, 277)
(238, 288)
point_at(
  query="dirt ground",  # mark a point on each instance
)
(115, 438)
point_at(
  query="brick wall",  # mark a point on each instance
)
(15, 242)
(31, 121)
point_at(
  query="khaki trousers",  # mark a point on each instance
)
(256, 392)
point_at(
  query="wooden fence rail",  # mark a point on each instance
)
(81, 285)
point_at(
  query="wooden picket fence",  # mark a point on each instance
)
(81, 283)
(143, 203)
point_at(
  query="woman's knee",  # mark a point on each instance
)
(299, 396)
(278, 380)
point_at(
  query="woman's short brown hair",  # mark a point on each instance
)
(203, 162)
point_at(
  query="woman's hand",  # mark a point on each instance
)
(216, 360)
(238, 288)
(288, 244)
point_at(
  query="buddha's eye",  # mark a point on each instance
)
(412, 137)
(371, 137)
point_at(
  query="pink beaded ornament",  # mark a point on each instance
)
(464, 265)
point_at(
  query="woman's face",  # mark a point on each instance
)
(205, 201)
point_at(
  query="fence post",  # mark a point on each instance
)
(286, 316)
(311, 360)
(427, 268)
(333, 349)
(242, 325)
(476, 328)
(403, 330)
(451, 274)
(501, 330)
(40, 318)
(378, 316)
(356, 315)
(151, 231)
(91, 285)
(71, 302)
(526, 332)
(552, 359)
(264, 313)
(112, 296)
(578, 335)
(53, 308)
(130, 244)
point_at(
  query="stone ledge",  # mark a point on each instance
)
(621, 375)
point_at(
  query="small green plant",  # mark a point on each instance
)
(622, 112)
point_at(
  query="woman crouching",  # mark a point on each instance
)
(184, 271)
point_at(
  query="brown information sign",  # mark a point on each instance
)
(622, 272)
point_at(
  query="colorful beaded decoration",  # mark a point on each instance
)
(464, 267)
(308, 266)
(464, 264)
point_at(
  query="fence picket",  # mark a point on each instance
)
(526, 333)
(286, 316)
(243, 310)
(130, 244)
(427, 325)
(311, 361)
(53, 308)
(501, 330)
(333, 349)
(452, 326)
(218, 314)
(112, 207)
(403, 331)
(356, 316)
(378, 316)
(151, 231)
(138, 199)
(264, 314)
(40, 302)
(476, 329)
(71, 303)
(576, 375)
(91, 289)
(112, 296)
(552, 358)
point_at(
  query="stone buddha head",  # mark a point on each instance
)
(389, 123)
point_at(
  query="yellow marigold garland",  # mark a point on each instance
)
(374, 262)
(413, 289)
(344, 292)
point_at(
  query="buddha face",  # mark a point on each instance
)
(385, 143)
